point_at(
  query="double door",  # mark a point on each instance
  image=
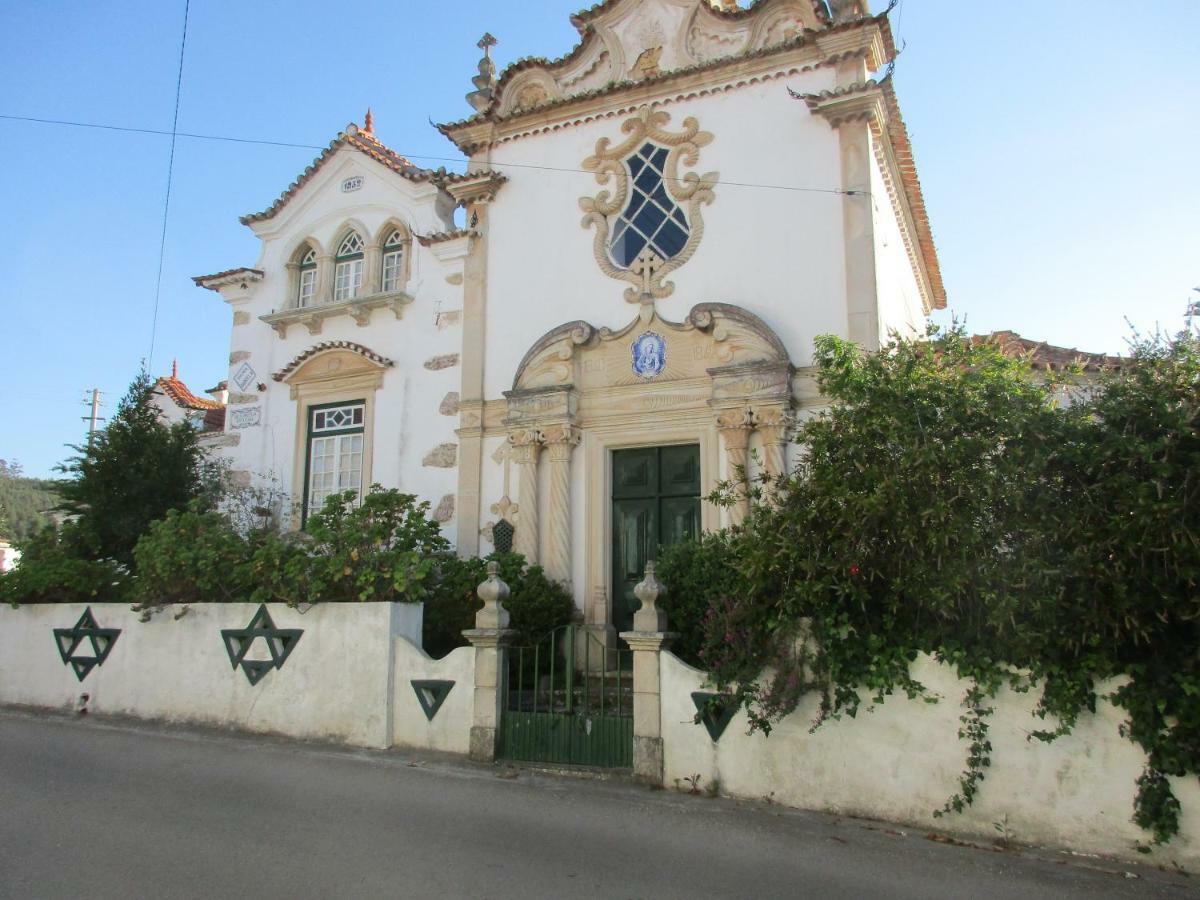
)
(655, 503)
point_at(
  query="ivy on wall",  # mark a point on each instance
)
(949, 502)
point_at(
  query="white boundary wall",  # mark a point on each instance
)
(902, 761)
(450, 729)
(337, 684)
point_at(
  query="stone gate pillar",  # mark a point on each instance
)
(647, 640)
(490, 637)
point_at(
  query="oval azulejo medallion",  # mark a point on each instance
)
(649, 355)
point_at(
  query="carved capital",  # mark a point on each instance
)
(775, 424)
(526, 445)
(735, 426)
(560, 440)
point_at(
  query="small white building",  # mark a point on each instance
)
(176, 403)
(9, 556)
(612, 310)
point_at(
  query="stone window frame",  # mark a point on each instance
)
(296, 265)
(311, 388)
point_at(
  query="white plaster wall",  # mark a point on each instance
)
(900, 305)
(336, 684)
(778, 253)
(902, 761)
(407, 424)
(450, 729)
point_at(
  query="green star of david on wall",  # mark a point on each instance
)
(86, 632)
(280, 644)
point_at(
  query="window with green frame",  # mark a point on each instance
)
(335, 452)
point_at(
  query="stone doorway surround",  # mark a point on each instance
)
(576, 398)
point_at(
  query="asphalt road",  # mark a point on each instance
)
(101, 809)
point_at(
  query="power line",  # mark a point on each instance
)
(162, 243)
(448, 159)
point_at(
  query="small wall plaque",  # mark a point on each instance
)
(352, 184)
(244, 376)
(245, 418)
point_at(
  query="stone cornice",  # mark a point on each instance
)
(874, 104)
(474, 187)
(242, 276)
(360, 308)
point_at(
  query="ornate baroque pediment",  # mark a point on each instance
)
(716, 340)
(632, 40)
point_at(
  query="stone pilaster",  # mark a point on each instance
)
(647, 640)
(559, 441)
(323, 290)
(735, 426)
(490, 638)
(526, 444)
(372, 269)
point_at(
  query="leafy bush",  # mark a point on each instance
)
(697, 573)
(52, 570)
(947, 505)
(131, 474)
(536, 604)
(193, 557)
(383, 549)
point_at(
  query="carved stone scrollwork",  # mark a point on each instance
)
(691, 191)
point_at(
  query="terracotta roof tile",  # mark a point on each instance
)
(214, 419)
(312, 351)
(1047, 356)
(179, 394)
(357, 139)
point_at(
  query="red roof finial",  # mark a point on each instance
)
(369, 122)
(174, 368)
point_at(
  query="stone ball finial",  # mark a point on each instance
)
(649, 617)
(493, 593)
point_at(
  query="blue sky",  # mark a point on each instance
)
(1056, 144)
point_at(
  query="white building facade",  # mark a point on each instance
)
(612, 311)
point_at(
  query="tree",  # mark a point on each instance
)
(132, 474)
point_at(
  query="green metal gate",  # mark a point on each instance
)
(568, 699)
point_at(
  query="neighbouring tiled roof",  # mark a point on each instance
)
(179, 394)
(440, 237)
(214, 419)
(1047, 356)
(490, 115)
(221, 386)
(356, 139)
(312, 351)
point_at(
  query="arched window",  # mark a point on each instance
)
(307, 284)
(393, 262)
(348, 268)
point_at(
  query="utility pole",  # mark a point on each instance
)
(95, 416)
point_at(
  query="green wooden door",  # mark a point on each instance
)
(656, 503)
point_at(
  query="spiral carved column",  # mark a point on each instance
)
(526, 444)
(560, 440)
(735, 426)
(775, 425)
